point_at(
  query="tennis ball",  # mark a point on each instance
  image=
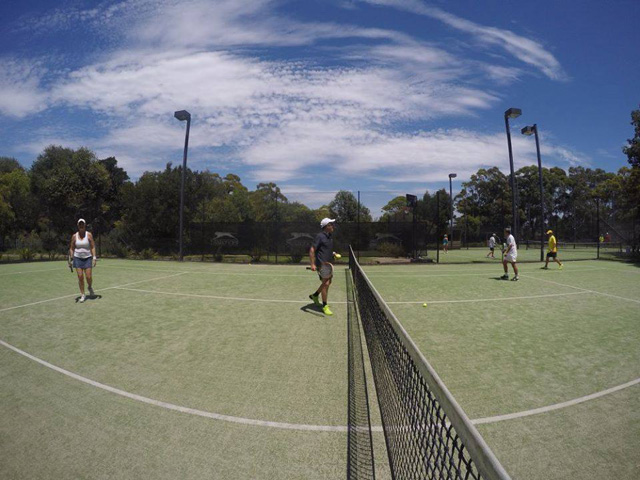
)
(338, 255)
(424, 304)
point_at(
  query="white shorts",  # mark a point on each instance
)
(511, 258)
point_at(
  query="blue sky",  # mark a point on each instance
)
(321, 95)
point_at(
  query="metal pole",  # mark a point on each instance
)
(466, 226)
(358, 227)
(535, 128)
(598, 225)
(451, 213)
(437, 226)
(514, 227)
(184, 171)
(277, 226)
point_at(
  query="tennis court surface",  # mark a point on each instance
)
(225, 371)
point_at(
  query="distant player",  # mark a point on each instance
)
(510, 256)
(320, 255)
(552, 251)
(445, 243)
(492, 245)
(82, 252)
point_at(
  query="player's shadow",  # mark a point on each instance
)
(89, 298)
(313, 309)
(498, 278)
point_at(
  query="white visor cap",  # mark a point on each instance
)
(326, 221)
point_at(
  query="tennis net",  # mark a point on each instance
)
(428, 435)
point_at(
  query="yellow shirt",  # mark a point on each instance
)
(552, 244)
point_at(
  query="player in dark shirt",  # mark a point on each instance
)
(321, 255)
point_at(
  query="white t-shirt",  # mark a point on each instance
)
(514, 248)
(492, 242)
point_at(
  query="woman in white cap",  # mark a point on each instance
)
(82, 251)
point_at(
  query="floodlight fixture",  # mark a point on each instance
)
(513, 113)
(182, 115)
(528, 130)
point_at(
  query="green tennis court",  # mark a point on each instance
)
(225, 371)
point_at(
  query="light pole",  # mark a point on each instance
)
(451, 175)
(512, 113)
(533, 129)
(183, 115)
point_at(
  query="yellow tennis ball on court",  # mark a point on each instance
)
(424, 304)
(338, 255)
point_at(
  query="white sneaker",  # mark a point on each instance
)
(82, 299)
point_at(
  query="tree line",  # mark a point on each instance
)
(41, 204)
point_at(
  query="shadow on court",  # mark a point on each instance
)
(313, 309)
(89, 298)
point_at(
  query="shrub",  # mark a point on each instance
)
(388, 249)
(296, 257)
(256, 254)
(148, 254)
(27, 254)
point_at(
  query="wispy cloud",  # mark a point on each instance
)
(20, 92)
(527, 50)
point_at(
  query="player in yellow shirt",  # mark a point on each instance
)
(552, 251)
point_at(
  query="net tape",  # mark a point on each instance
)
(428, 435)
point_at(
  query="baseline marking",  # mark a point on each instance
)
(31, 271)
(241, 299)
(583, 289)
(97, 290)
(296, 426)
(492, 299)
(201, 272)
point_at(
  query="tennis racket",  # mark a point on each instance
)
(69, 265)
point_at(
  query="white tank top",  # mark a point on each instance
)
(83, 246)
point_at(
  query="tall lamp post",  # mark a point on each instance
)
(451, 175)
(183, 115)
(533, 130)
(512, 113)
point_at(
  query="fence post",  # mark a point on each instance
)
(358, 240)
(437, 224)
(598, 225)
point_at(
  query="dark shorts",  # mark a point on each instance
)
(492, 248)
(552, 254)
(82, 262)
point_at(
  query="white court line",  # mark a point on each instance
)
(217, 297)
(223, 272)
(245, 299)
(178, 408)
(556, 406)
(411, 275)
(32, 271)
(297, 426)
(583, 289)
(496, 299)
(97, 290)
